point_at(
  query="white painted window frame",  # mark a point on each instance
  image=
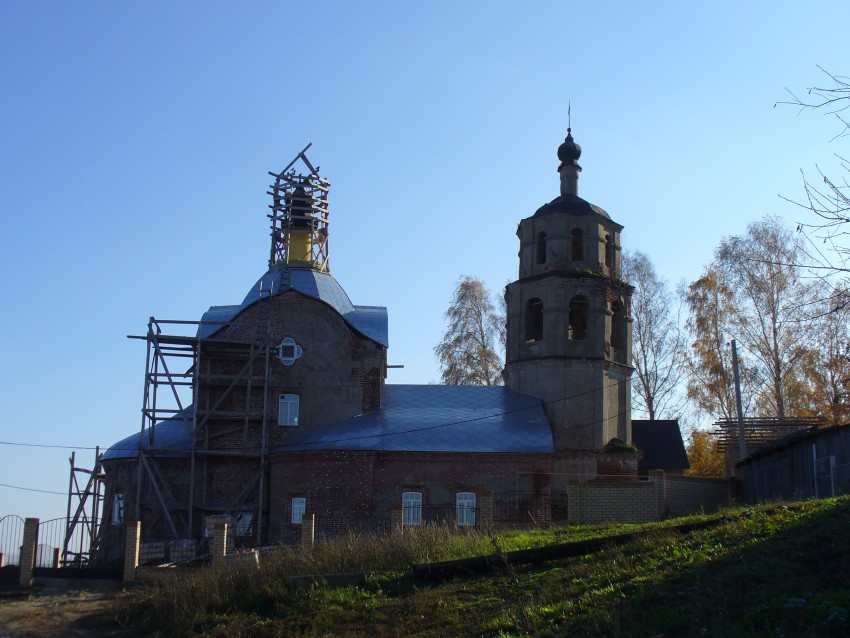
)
(411, 504)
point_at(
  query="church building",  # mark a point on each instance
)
(278, 407)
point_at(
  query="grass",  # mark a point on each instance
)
(776, 570)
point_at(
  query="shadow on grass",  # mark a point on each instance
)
(774, 580)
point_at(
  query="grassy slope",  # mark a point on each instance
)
(779, 570)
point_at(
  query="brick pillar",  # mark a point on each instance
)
(485, 509)
(396, 521)
(219, 543)
(28, 550)
(308, 530)
(132, 541)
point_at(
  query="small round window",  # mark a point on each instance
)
(288, 351)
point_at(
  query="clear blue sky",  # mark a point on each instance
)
(135, 140)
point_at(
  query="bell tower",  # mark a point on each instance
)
(568, 321)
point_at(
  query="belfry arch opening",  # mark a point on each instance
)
(618, 326)
(578, 318)
(577, 245)
(541, 248)
(533, 320)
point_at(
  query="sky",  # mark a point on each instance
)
(136, 140)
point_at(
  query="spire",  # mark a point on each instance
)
(568, 153)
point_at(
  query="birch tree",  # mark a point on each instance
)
(657, 342)
(772, 306)
(468, 353)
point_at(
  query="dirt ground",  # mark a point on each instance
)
(54, 608)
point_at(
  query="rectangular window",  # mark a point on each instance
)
(243, 523)
(411, 503)
(118, 509)
(299, 505)
(288, 414)
(465, 508)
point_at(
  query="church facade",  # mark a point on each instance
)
(290, 413)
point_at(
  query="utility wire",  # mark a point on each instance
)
(30, 489)
(352, 438)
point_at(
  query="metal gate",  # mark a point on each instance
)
(65, 551)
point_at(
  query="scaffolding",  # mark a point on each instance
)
(85, 499)
(760, 431)
(215, 383)
(299, 216)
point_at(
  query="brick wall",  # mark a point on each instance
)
(350, 490)
(692, 494)
(600, 502)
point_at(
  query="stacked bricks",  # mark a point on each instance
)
(219, 543)
(132, 541)
(28, 550)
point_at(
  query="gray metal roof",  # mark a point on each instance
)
(170, 438)
(572, 204)
(370, 321)
(413, 418)
(661, 444)
(439, 418)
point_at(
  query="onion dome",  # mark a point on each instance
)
(569, 151)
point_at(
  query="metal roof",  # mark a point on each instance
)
(370, 321)
(572, 204)
(438, 418)
(413, 418)
(661, 444)
(170, 438)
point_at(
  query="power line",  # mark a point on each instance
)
(30, 489)
(354, 438)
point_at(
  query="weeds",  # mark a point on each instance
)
(775, 570)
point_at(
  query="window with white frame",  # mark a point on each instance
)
(288, 414)
(411, 504)
(118, 509)
(465, 502)
(299, 505)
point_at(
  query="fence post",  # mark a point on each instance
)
(219, 543)
(56, 553)
(2, 560)
(660, 484)
(28, 551)
(132, 540)
(396, 521)
(485, 507)
(308, 530)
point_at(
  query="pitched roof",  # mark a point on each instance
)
(661, 444)
(413, 418)
(439, 418)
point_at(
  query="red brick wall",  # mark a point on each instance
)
(357, 489)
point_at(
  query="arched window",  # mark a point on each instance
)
(609, 255)
(541, 248)
(534, 320)
(578, 318)
(618, 326)
(577, 245)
